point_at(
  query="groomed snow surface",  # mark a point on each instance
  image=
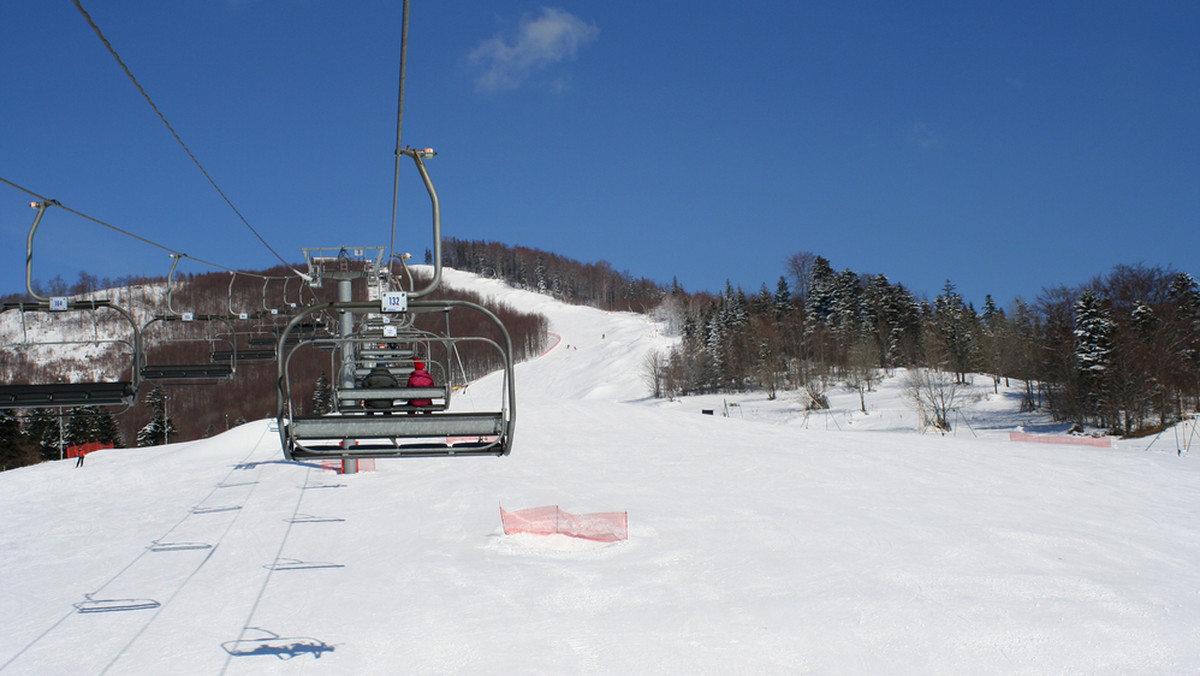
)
(762, 542)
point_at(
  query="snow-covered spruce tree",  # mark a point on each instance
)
(991, 341)
(160, 429)
(1184, 329)
(92, 423)
(16, 450)
(322, 397)
(79, 428)
(956, 326)
(1094, 329)
(782, 300)
(901, 315)
(845, 316)
(42, 429)
(819, 302)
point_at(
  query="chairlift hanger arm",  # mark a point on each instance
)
(41, 207)
(418, 157)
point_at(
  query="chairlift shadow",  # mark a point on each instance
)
(256, 464)
(177, 546)
(237, 485)
(297, 564)
(215, 510)
(282, 647)
(306, 487)
(91, 605)
(308, 518)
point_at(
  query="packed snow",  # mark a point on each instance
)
(762, 540)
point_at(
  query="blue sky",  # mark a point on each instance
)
(1006, 147)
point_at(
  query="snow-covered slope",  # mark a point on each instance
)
(763, 542)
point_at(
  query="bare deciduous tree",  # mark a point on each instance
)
(936, 394)
(861, 373)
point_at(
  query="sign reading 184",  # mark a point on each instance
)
(394, 301)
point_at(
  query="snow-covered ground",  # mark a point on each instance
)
(761, 542)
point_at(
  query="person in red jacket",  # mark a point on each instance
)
(420, 378)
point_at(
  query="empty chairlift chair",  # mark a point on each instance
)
(101, 325)
(181, 349)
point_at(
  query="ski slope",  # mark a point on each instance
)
(763, 542)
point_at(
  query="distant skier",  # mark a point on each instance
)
(420, 378)
(378, 379)
(79, 462)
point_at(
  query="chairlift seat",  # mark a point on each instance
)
(384, 427)
(385, 354)
(187, 371)
(439, 434)
(244, 355)
(66, 394)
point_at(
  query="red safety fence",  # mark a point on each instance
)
(601, 527)
(84, 449)
(1102, 442)
(364, 465)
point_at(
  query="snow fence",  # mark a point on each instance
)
(84, 449)
(600, 527)
(1102, 442)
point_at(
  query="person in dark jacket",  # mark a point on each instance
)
(420, 378)
(378, 379)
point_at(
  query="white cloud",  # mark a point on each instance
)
(923, 136)
(552, 37)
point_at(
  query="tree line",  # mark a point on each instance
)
(1121, 352)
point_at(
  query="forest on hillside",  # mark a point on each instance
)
(1119, 352)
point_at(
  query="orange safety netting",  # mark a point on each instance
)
(84, 449)
(1103, 442)
(601, 527)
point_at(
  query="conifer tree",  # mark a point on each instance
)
(783, 299)
(15, 448)
(322, 397)
(161, 428)
(1094, 329)
(42, 429)
(956, 325)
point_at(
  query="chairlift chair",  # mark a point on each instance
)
(194, 371)
(393, 431)
(399, 429)
(116, 391)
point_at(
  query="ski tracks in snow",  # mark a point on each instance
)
(148, 601)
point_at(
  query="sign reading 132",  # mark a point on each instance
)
(395, 301)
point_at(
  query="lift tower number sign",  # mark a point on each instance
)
(394, 301)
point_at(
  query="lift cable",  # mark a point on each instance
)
(173, 252)
(146, 96)
(399, 124)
